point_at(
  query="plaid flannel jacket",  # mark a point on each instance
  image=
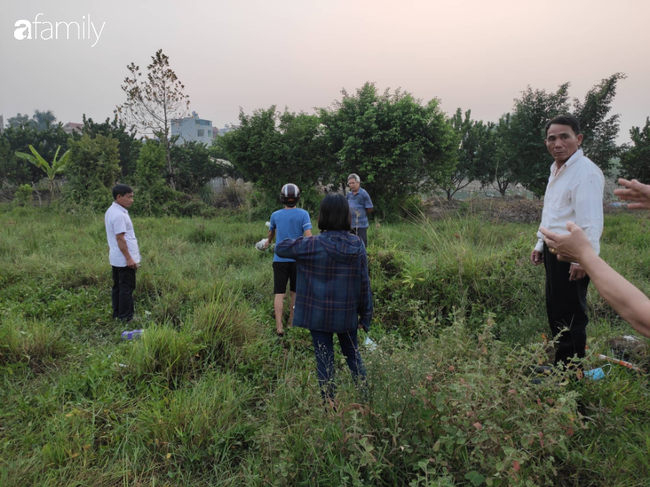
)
(333, 289)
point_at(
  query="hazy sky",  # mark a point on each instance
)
(474, 54)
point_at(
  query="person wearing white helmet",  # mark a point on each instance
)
(287, 223)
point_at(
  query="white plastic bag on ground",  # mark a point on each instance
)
(369, 344)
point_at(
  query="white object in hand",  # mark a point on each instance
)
(261, 245)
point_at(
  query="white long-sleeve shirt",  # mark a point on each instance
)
(574, 193)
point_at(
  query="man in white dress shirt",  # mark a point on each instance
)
(574, 193)
(124, 254)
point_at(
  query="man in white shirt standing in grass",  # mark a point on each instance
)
(574, 193)
(124, 254)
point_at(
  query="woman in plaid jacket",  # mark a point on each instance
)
(333, 289)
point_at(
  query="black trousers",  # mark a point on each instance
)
(566, 304)
(123, 287)
(362, 233)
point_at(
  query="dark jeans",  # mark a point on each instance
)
(566, 304)
(324, 350)
(123, 287)
(362, 233)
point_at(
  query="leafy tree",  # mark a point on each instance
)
(43, 120)
(600, 132)
(635, 162)
(398, 146)
(220, 155)
(153, 192)
(194, 165)
(462, 175)
(476, 152)
(307, 152)
(18, 139)
(50, 170)
(92, 170)
(150, 166)
(495, 158)
(23, 195)
(151, 104)
(536, 108)
(40, 120)
(154, 196)
(18, 120)
(217, 149)
(11, 169)
(526, 137)
(128, 144)
(271, 149)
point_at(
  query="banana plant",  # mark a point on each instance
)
(52, 170)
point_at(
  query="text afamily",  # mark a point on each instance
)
(46, 31)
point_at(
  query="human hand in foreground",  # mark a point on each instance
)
(574, 247)
(130, 263)
(576, 272)
(636, 192)
(536, 257)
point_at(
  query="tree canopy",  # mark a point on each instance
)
(271, 149)
(635, 162)
(398, 146)
(536, 107)
(152, 103)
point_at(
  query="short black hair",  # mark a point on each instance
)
(565, 120)
(334, 213)
(121, 189)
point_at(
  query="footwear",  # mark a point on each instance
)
(542, 372)
(543, 369)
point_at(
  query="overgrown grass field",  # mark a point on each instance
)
(209, 395)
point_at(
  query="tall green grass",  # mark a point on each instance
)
(209, 395)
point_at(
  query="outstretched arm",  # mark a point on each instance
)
(628, 301)
(288, 249)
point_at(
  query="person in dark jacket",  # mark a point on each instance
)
(333, 290)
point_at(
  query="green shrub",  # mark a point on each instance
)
(92, 169)
(162, 352)
(234, 195)
(23, 195)
(29, 341)
(200, 234)
(210, 427)
(457, 405)
(223, 326)
(453, 268)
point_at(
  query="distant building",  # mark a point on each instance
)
(2, 124)
(71, 127)
(219, 132)
(192, 129)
